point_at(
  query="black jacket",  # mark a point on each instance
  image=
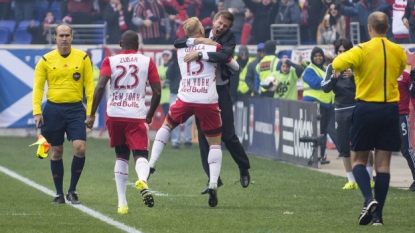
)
(344, 89)
(227, 40)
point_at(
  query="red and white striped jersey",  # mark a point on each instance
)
(198, 83)
(129, 73)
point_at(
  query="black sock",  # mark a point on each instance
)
(76, 169)
(381, 190)
(57, 174)
(363, 180)
(411, 163)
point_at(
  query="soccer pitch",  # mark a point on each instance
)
(281, 198)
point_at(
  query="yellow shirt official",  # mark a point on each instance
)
(377, 64)
(66, 79)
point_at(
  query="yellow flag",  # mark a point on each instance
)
(43, 148)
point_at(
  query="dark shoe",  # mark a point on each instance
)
(324, 161)
(73, 198)
(213, 196)
(188, 145)
(176, 147)
(206, 190)
(367, 211)
(152, 170)
(59, 199)
(245, 178)
(377, 221)
(412, 187)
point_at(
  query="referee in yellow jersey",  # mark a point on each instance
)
(377, 64)
(67, 72)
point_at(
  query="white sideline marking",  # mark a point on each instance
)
(82, 208)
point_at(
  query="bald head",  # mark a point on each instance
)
(379, 22)
(129, 40)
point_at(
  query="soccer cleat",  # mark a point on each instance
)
(372, 184)
(350, 185)
(145, 193)
(72, 197)
(152, 170)
(213, 195)
(123, 209)
(377, 221)
(206, 190)
(59, 199)
(412, 187)
(367, 211)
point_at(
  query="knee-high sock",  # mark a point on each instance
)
(381, 191)
(142, 168)
(162, 137)
(215, 163)
(363, 180)
(76, 171)
(56, 167)
(121, 176)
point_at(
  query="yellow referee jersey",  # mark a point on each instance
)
(66, 79)
(377, 65)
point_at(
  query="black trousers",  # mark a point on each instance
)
(228, 133)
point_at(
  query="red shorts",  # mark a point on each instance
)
(130, 132)
(208, 114)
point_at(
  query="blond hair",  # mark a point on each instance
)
(192, 26)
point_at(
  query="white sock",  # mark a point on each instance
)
(215, 163)
(350, 177)
(142, 168)
(162, 137)
(121, 176)
(370, 171)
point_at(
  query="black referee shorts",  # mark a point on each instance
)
(375, 125)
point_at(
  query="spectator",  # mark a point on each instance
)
(5, 9)
(316, 12)
(116, 15)
(242, 60)
(408, 19)
(312, 77)
(289, 12)
(265, 67)
(237, 8)
(185, 9)
(246, 29)
(81, 12)
(327, 33)
(251, 74)
(24, 10)
(337, 20)
(40, 34)
(174, 76)
(286, 80)
(165, 87)
(400, 32)
(209, 6)
(363, 9)
(264, 15)
(149, 16)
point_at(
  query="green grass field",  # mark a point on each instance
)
(281, 198)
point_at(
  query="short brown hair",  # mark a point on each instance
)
(225, 14)
(379, 22)
(192, 26)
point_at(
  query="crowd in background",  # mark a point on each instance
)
(160, 21)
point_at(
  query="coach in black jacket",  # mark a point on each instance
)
(220, 33)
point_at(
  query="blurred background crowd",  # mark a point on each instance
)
(160, 21)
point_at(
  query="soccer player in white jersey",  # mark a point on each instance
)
(128, 117)
(197, 95)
